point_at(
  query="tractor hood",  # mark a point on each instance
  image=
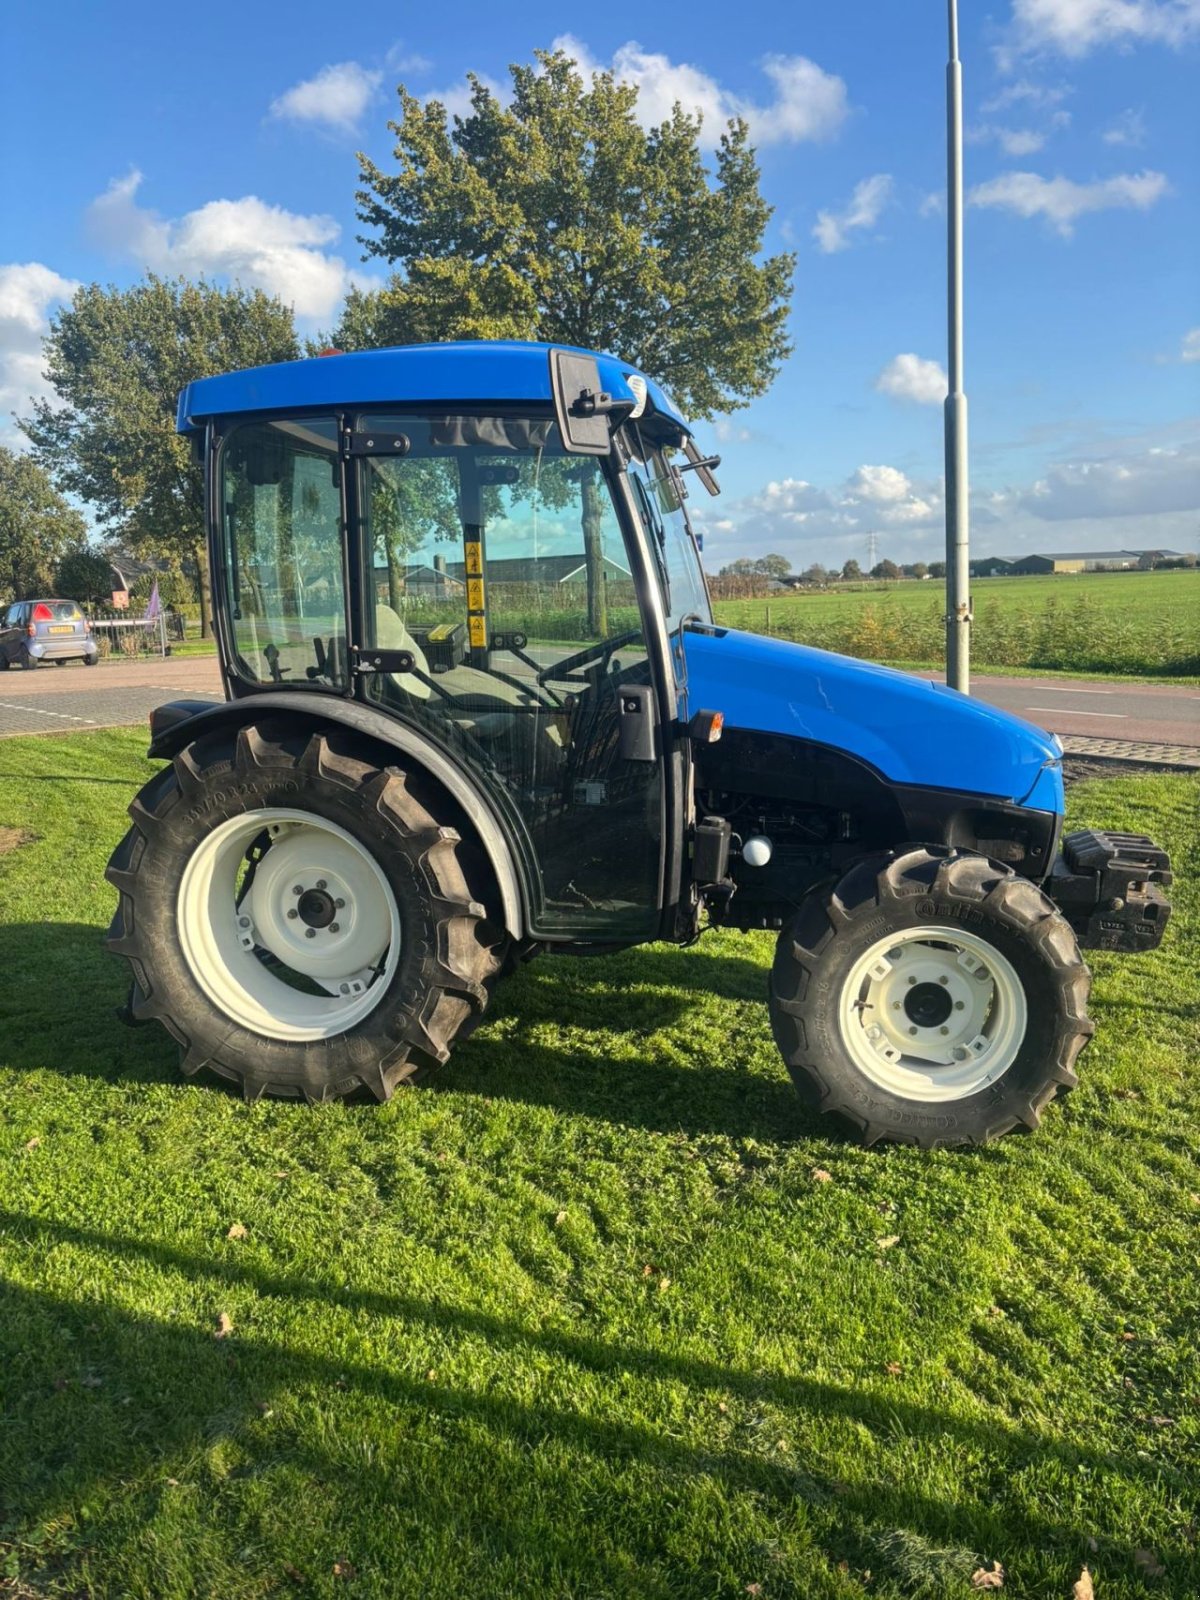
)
(909, 729)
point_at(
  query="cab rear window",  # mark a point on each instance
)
(56, 611)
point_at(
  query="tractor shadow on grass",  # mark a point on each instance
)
(622, 1050)
(117, 1411)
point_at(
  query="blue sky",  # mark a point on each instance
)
(224, 143)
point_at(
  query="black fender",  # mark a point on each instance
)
(497, 834)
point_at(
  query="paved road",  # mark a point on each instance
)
(113, 694)
(1150, 713)
(56, 699)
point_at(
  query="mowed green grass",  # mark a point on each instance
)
(585, 1319)
(1140, 624)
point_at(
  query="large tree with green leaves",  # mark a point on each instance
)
(117, 359)
(559, 217)
(37, 527)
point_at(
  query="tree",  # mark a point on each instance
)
(558, 217)
(817, 575)
(37, 526)
(773, 566)
(885, 569)
(937, 569)
(851, 572)
(743, 567)
(916, 569)
(118, 359)
(84, 574)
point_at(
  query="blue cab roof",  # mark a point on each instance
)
(471, 372)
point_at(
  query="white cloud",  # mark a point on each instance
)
(808, 104)
(1190, 349)
(1018, 141)
(933, 204)
(863, 210)
(337, 97)
(911, 377)
(1136, 495)
(28, 293)
(1160, 479)
(246, 241)
(1127, 129)
(1076, 27)
(1062, 201)
(731, 432)
(1038, 96)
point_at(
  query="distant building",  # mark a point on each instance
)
(992, 567)
(1079, 561)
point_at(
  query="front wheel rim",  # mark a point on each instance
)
(315, 908)
(933, 1013)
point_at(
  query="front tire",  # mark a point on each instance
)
(932, 998)
(296, 918)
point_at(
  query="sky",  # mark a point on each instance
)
(223, 144)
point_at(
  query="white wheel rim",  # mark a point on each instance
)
(933, 1013)
(341, 931)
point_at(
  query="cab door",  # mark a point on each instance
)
(501, 600)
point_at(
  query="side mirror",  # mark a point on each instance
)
(703, 466)
(581, 407)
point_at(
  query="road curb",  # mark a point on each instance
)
(1133, 752)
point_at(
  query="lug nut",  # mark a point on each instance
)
(310, 933)
(243, 922)
(321, 883)
(943, 980)
(293, 912)
(911, 980)
(299, 889)
(339, 904)
(912, 1031)
(958, 1005)
(943, 1030)
(334, 928)
(896, 1005)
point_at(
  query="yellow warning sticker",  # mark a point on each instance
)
(478, 627)
(474, 559)
(474, 594)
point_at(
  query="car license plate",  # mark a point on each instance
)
(64, 628)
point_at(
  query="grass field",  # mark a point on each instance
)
(1135, 623)
(602, 1314)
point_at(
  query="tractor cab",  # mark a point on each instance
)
(478, 710)
(502, 574)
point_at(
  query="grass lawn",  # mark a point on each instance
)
(587, 1318)
(1145, 624)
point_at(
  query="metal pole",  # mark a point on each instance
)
(958, 573)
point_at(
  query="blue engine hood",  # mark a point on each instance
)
(909, 729)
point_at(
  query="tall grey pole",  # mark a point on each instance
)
(958, 573)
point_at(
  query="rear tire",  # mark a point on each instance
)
(91, 661)
(932, 998)
(206, 949)
(28, 662)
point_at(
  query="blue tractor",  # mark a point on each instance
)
(478, 709)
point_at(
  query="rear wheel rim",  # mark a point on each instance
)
(933, 1014)
(306, 949)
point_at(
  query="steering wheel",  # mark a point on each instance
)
(603, 652)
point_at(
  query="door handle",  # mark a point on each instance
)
(635, 705)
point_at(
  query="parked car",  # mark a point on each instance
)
(46, 630)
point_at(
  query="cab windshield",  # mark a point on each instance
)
(660, 494)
